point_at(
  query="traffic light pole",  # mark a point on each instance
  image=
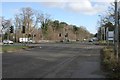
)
(8, 36)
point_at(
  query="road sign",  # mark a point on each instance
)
(111, 35)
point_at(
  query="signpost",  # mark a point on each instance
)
(111, 35)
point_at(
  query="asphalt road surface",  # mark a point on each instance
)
(54, 61)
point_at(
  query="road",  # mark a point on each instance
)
(76, 60)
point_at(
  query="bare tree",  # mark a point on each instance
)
(6, 27)
(29, 18)
(26, 17)
(18, 27)
(5, 24)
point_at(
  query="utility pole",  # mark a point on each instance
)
(104, 34)
(101, 33)
(101, 29)
(116, 31)
(107, 29)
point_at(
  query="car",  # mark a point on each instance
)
(77, 39)
(31, 41)
(91, 40)
(7, 42)
(68, 40)
(61, 40)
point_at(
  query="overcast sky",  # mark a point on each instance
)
(76, 12)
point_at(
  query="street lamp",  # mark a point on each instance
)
(100, 27)
(116, 39)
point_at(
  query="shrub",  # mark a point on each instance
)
(110, 63)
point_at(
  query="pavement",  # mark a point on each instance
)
(76, 60)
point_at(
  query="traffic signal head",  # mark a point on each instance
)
(23, 29)
(11, 29)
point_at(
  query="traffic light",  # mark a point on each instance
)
(11, 29)
(23, 29)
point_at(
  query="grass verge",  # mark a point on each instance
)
(12, 48)
(109, 62)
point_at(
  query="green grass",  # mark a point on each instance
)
(11, 48)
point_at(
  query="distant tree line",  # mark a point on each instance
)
(30, 23)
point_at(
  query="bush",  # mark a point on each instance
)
(101, 43)
(110, 63)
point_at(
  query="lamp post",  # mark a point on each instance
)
(116, 31)
(100, 27)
